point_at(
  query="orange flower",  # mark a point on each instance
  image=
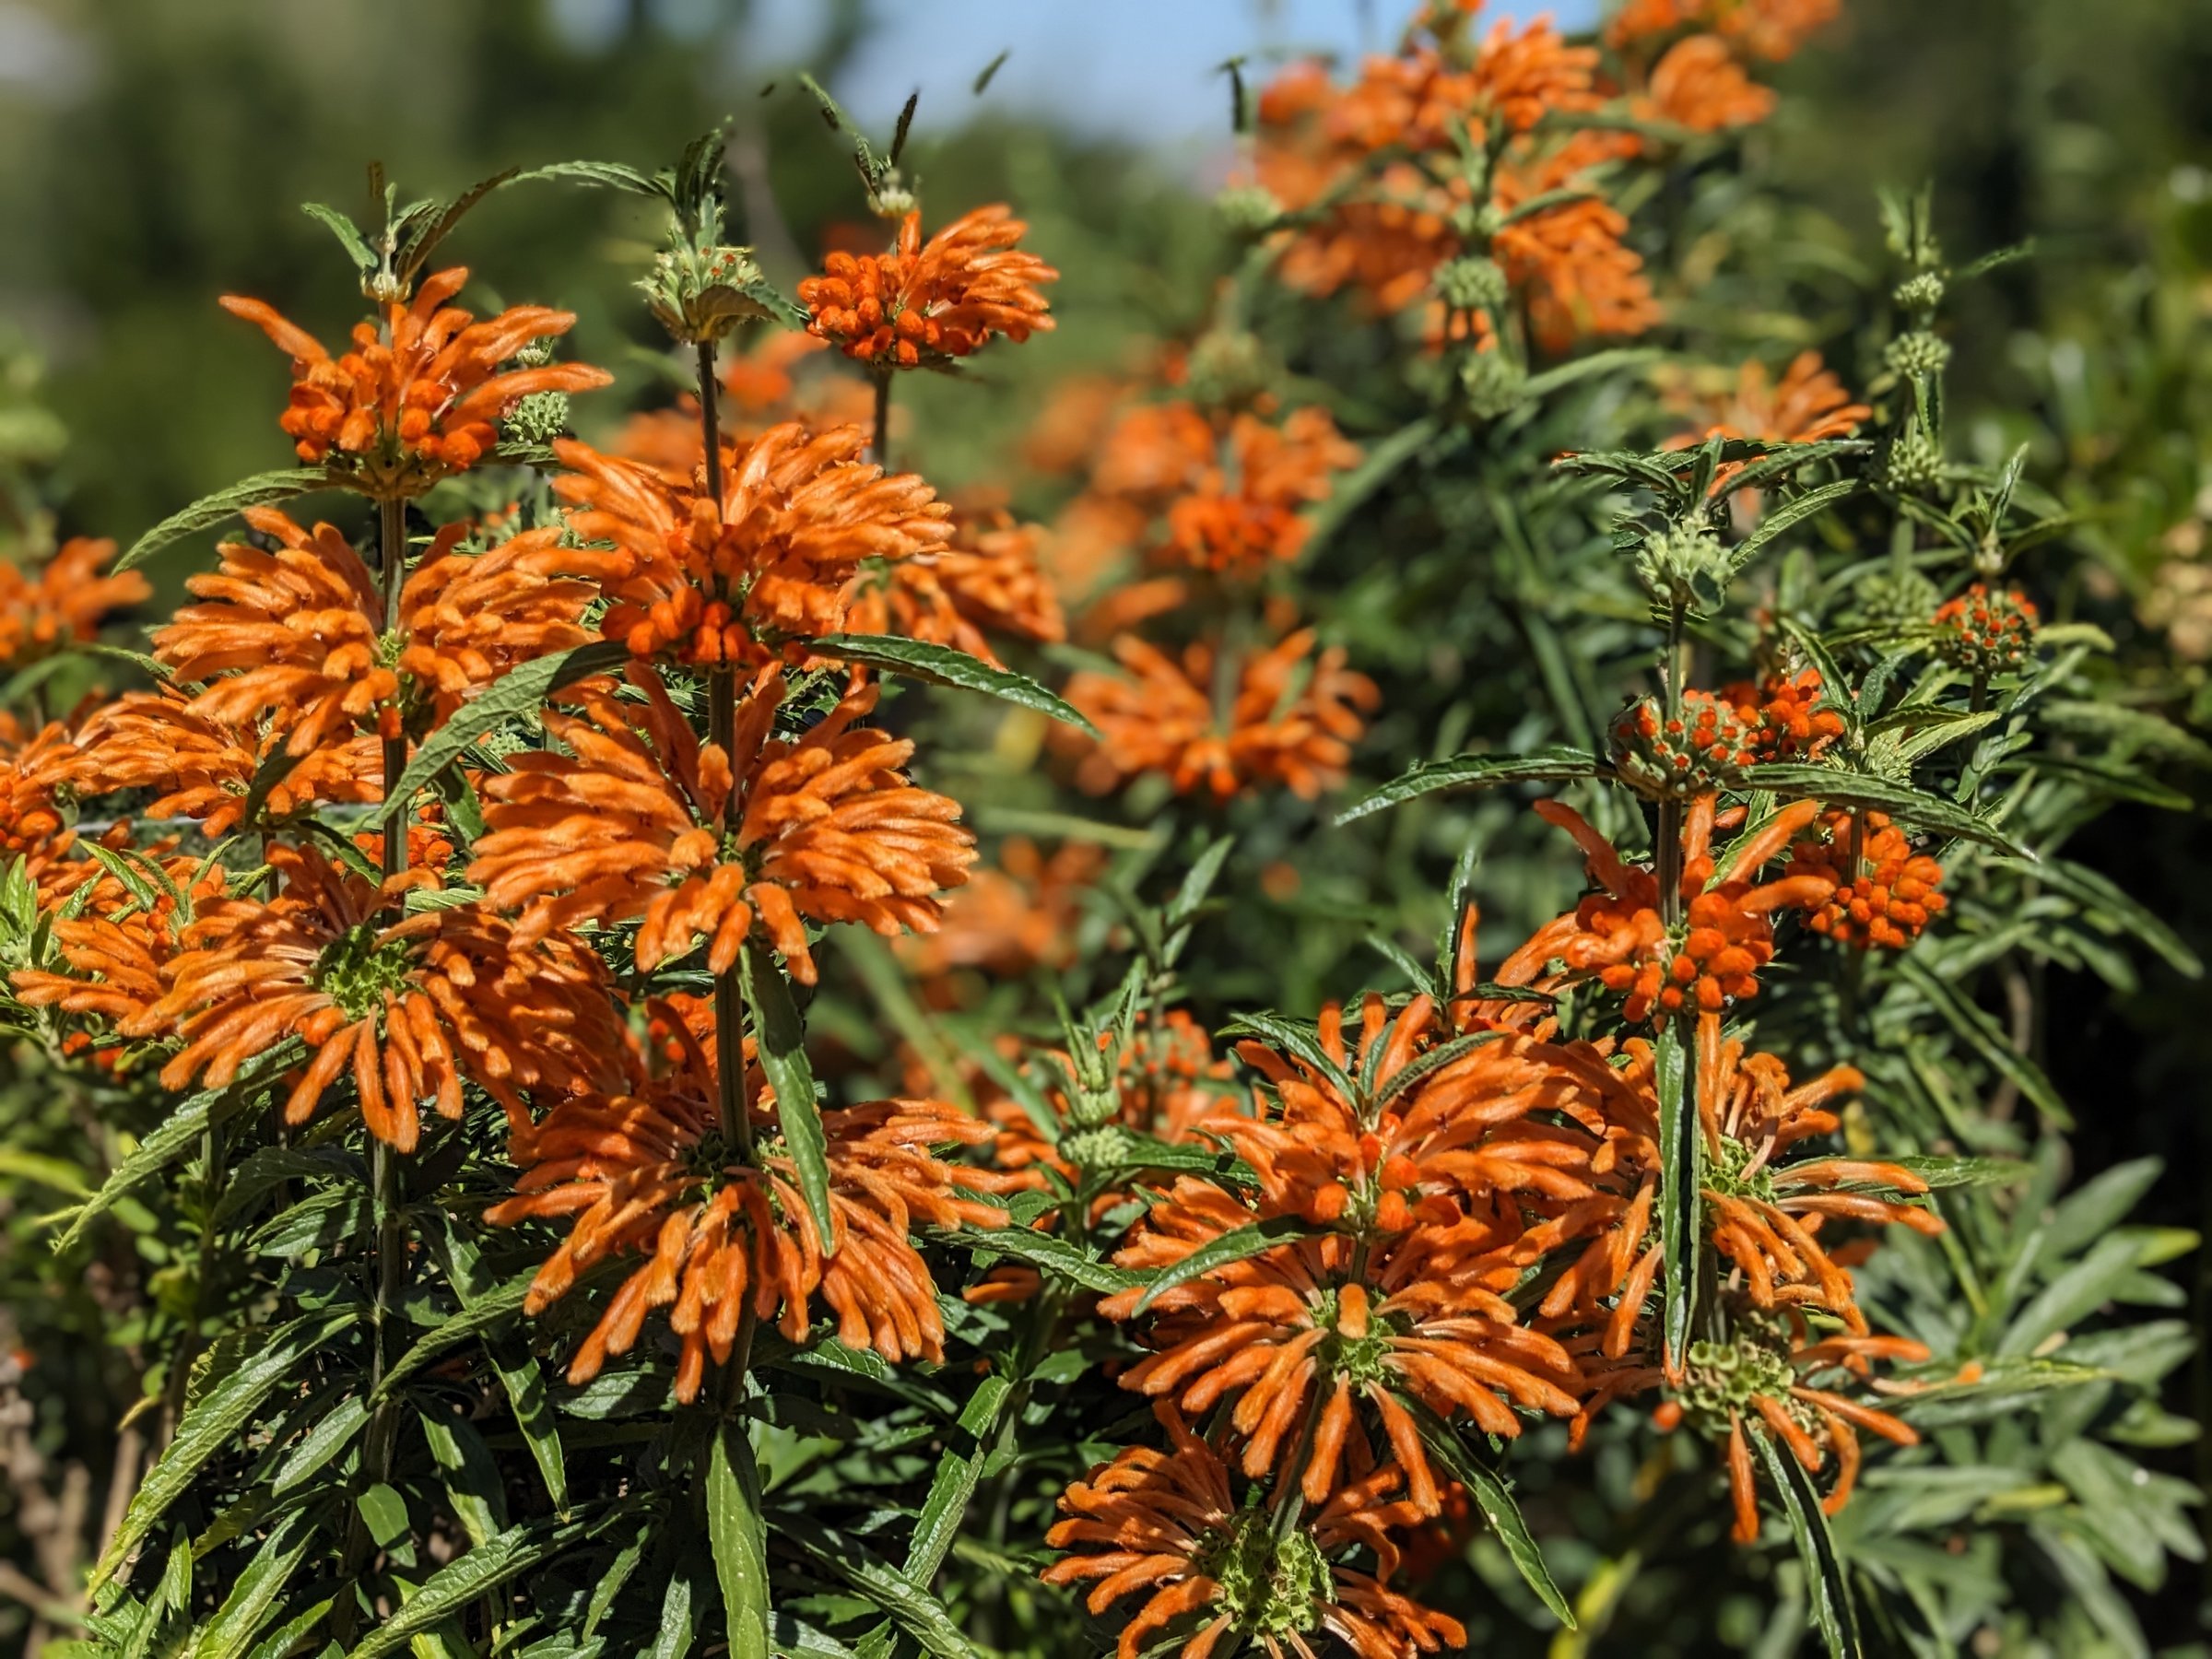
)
(638, 819)
(1570, 261)
(650, 1173)
(1014, 914)
(409, 1006)
(67, 602)
(1988, 631)
(1808, 405)
(926, 304)
(1769, 28)
(1242, 511)
(202, 767)
(1783, 715)
(1617, 935)
(294, 635)
(1521, 78)
(1885, 892)
(1699, 85)
(1167, 1522)
(117, 950)
(1276, 733)
(742, 581)
(989, 581)
(417, 398)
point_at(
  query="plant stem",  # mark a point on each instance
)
(710, 421)
(879, 451)
(391, 552)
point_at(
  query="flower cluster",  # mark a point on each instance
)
(1988, 631)
(928, 304)
(1885, 892)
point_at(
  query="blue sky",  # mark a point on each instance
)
(1134, 68)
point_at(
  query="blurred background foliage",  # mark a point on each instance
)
(146, 148)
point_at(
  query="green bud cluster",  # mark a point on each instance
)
(1918, 353)
(1247, 210)
(1492, 383)
(1684, 565)
(1471, 283)
(1719, 1380)
(700, 293)
(1896, 602)
(539, 418)
(1227, 366)
(1914, 461)
(356, 969)
(1272, 1587)
(1921, 293)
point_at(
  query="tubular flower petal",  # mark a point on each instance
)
(745, 580)
(1699, 84)
(1808, 405)
(989, 581)
(923, 304)
(1245, 511)
(640, 820)
(410, 1007)
(65, 602)
(649, 1174)
(1277, 733)
(1167, 1524)
(416, 399)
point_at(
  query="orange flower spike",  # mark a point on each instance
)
(989, 581)
(924, 305)
(65, 602)
(1699, 85)
(418, 396)
(1521, 77)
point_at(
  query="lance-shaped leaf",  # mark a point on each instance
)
(740, 1540)
(912, 1608)
(1232, 1246)
(253, 1599)
(942, 666)
(1827, 1587)
(782, 1047)
(1584, 367)
(1478, 772)
(1297, 1039)
(1495, 1499)
(955, 1480)
(1787, 516)
(482, 1314)
(181, 1133)
(213, 1425)
(1681, 1181)
(517, 691)
(212, 509)
(1052, 1254)
(464, 1578)
(607, 175)
(1901, 800)
(1986, 1038)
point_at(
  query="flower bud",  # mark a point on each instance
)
(1247, 210)
(700, 294)
(1471, 283)
(1918, 353)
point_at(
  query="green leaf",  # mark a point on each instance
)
(942, 666)
(955, 1480)
(384, 1513)
(1495, 1499)
(782, 1048)
(1827, 1585)
(180, 1134)
(212, 509)
(494, 1307)
(1297, 1039)
(913, 1609)
(607, 175)
(525, 1381)
(1234, 1245)
(1052, 1254)
(463, 1580)
(1786, 516)
(474, 1485)
(47, 1171)
(2101, 900)
(2079, 1290)
(1986, 1038)
(1582, 368)
(213, 1425)
(346, 231)
(1906, 805)
(1555, 764)
(253, 1599)
(1681, 1182)
(518, 689)
(1965, 1171)
(330, 1436)
(740, 1540)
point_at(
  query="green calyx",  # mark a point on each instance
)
(358, 969)
(1363, 1360)
(1721, 1380)
(1271, 1586)
(1730, 1173)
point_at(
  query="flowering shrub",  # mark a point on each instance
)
(650, 1138)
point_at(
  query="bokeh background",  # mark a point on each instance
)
(151, 152)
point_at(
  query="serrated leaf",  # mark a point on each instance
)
(954, 1485)
(2102, 899)
(1681, 1182)
(942, 666)
(913, 1609)
(741, 1541)
(349, 234)
(516, 691)
(1052, 1254)
(608, 175)
(463, 1580)
(253, 1599)
(180, 1133)
(1939, 1171)
(1786, 516)
(329, 1436)
(782, 1043)
(1903, 803)
(1297, 1039)
(1828, 1585)
(213, 1425)
(490, 1310)
(211, 510)
(1234, 1245)
(1478, 772)
(474, 1485)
